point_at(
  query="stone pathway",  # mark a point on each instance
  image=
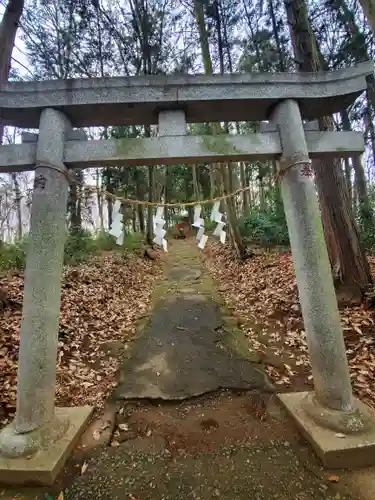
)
(181, 352)
(179, 435)
(194, 416)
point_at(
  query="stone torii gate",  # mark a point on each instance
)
(35, 445)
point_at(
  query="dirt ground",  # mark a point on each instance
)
(229, 444)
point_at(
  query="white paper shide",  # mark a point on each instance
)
(199, 224)
(217, 216)
(158, 229)
(117, 228)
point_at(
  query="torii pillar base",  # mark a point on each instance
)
(336, 450)
(42, 468)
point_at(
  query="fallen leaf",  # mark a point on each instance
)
(334, 479)
(123, 427)
(84, 467)
(96, 435)
(263, 291)
(98, 298)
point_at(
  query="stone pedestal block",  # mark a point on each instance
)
(335, 449)
(53, 449)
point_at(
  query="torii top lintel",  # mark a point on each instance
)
(138, 100)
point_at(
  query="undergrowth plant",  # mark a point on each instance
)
(80, 246)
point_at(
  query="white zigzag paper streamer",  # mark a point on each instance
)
(117, 228)
(199, 224)
(158, 229)
(216, 216)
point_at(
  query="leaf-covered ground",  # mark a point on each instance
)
(100, 304)
(262, 292)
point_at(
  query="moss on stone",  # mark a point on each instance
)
(356, 421)
(126, 148)
(220, 144)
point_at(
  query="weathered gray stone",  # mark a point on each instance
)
(181, 149)
(180, 354)
(335, 449)
(138, 100)
(353, 421)
(172, 123)
(44, 466)
(272, 127)
(71, 135)
(41, 303)
(312, 267)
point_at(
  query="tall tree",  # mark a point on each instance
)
(8, 31)
(368, 7)
(208, 68)
(348, 259)
(355, 49)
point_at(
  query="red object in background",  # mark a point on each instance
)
(183, 227)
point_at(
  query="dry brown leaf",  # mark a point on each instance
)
(96, 435)
(98, 299)
(262, 290)
(334, 479)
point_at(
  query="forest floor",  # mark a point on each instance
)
(101, 301)
(262, 294)
(193, 414)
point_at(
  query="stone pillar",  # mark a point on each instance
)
(35, 419)
(313, 271)
(172, 123)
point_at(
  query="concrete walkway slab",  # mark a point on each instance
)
(180, 354)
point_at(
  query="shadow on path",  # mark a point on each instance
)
(182, 353)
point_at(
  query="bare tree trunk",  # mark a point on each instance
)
(276, 34)
(17, 193)
(166, 194)
(212, 180)
(134, 218)
(250, 184)
(366, 214)
(195, 182)
(8, 31)
(262, 198)
(223, 169)
(150, 214)
(140, 196)
(348, 178)
(360, 180)
(99, 199)
(74, 202)
(109, 189)
(245, 194)
(370, 115)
